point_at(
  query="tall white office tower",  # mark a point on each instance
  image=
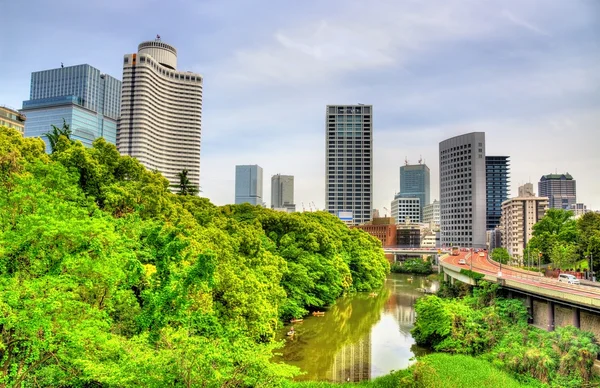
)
(161, 113)
(462, 191)
(349, 162)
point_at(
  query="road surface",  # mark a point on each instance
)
(482, 265)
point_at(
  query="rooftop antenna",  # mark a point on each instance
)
(406, 161)
(420, 158)
(61, 65)
(157, 37)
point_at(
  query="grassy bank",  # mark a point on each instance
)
(435, 370)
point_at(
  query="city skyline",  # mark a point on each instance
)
(538, 84)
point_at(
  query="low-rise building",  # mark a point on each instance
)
(518, 217)
(386, 233)
(406, 209)
(12, 118)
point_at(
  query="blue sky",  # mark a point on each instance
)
(526, 72)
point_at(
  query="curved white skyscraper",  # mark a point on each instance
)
(161, 112)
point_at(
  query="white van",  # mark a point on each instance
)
(568, 278)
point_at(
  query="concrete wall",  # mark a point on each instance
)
(563, 316)
(540, 314)
(590, 322)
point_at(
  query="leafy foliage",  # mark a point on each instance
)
(496, 328)
(414, 266)
(500, 255)
(108, 279)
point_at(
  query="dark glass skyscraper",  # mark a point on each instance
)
(414, 182)
(560, 190)
(497, 173)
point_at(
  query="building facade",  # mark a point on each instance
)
(431, 212)
(11, 118)
(282, 192)
(579, 209)
(386, 233)
(462, 191)
(87, 100)
(349, 162)
(161, 113)
(560, 189)
(406, 209)
(497, 179)
(414, 182)
(249, 184)
(518, 217)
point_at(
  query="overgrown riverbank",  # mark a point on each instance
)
(413, 266)
(495, 329)
(109, 280)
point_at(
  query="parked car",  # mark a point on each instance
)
(568, 278)
(462, 261)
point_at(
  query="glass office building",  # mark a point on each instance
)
(497, 173)
(249, 184)
(87, 100)
(414, 183)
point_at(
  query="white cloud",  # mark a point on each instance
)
(522, 23)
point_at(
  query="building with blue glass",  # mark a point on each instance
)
(497, 179)
(414, 183)
(87, 100)
(249, 184)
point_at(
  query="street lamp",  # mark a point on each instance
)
(471, 260)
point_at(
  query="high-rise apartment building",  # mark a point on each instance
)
(462, 191)
(560, 190)
(497, 173)
(87, 100)
(349, 162)
(249, 184)
(406, 209)
(518, 217)
(282, 192)
(12, 119)
(161, 112)
(431, 212)
(414, 182)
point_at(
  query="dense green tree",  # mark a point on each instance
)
(108, 279)
(500, 255)
(556, 227)
(588, 226)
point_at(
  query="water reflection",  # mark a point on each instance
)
(360, 337)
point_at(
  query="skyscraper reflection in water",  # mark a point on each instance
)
(353, 362)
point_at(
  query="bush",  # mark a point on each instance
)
(413, 266)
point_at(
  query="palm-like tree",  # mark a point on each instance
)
(56, 133)
(185, 186)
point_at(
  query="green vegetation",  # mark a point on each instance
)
(565, 242)
(107, 279)
(500, 255)
(437, 370)
(413, 266)
(472, 274)
(494, 328)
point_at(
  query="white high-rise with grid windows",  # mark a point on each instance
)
(161, 112)
(463, 191)
(349, 162)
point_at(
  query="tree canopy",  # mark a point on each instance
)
(106, 278)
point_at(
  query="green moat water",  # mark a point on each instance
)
(361, 336)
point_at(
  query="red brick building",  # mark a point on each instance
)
(385, 233)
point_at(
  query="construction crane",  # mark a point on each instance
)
(406, 160)
(420, 158)
(386, 211)
(310, 207)
(315, 206)
(303, 209)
